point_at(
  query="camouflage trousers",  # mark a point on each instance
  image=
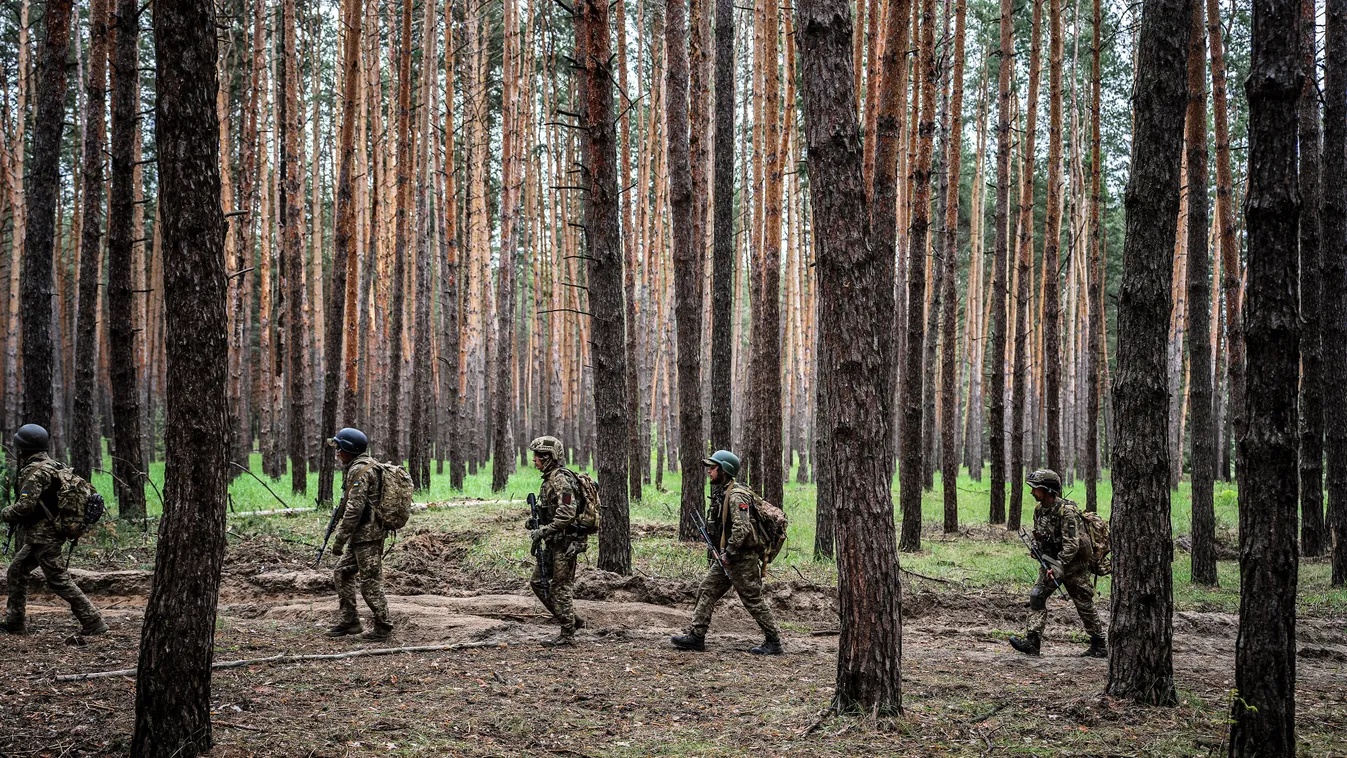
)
(745, 576)
(1081, 591)
(362, 563)
(46, 556)
(558, 596)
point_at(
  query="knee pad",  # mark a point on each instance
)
(1038, 599)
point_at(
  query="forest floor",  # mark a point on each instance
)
(459, 575)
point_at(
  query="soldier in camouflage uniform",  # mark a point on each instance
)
(38, 543)
(1063, 541)
(358, 528)
(558, 497)
(729, 523)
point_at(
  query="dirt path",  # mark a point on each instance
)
(624, 691)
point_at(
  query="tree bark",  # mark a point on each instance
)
(687, 262)
(41, 186)
(850, 391)
(598, 173)
(1225, 214)
(1314, 533)
(1141, 657)
(722, 288)
(290, 213)
(450, 302)
(1052, 237)
(949, 468)
(913, 453)
(996, 415)
(127, 464)
(1200, 406)
(1264, 712)
(173, 681)
(402, 231)
(502, 460)
(344, 240)
(1095, 340)
(1024, 255)
(1335, 275)
(84, 447)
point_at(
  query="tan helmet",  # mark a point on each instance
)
(548, 445)
(1047, 479)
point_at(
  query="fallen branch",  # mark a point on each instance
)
(289, 658)
(923, 576)
(818, 722)
(232, 725)
(259, 479)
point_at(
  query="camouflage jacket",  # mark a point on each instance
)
(35, 506)
(360, 490)
(559, 496)
(1060, 534)
(730, 519)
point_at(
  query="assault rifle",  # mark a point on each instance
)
(706, 537)
(331, 527)
(540, 549)
(1053, 568)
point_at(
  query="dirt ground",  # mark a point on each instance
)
(623, 690)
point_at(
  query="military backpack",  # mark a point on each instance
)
(394, 506)
(78, 505)
(1101, 564)
(769, 525)
(587, 514)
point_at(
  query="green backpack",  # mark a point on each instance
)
(769, 525)
(394, 506)
(78, 505)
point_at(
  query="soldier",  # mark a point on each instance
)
(730, 526)
(361, 489)
(1060, 537)
(559, 497)
(34, 519)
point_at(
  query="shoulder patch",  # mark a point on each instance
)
(743, 506)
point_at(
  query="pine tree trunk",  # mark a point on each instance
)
(768, 477)
(1314, 533)
(1095, 340)
(723, 278)
(1263, 715)
(240, 369)
(289, 215)
(949, 466)
(502, 460)
(1225, 214)
(913, 453)
(602, 219)
(850, 393)
(1140, 656)
(173, 682)
(41, 185)
(687, 263)
(1024, 264)
(1052, 236)
(996, 414)
(84, 447)
(127, 464)
(402, 231)
(343, 250)
(451, 297)
(1335, 275)
(1199, 310)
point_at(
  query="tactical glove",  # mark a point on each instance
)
(536, 534)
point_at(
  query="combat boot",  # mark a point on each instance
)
(343, 628)
(769, 646)
(561, 640)
(1028, 644)
(689, 641)
(13, 625)
(93, 630)
(378, 632)
(1098, 647)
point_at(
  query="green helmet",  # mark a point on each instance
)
(1047, 479)
(727, 461)
(548, 445)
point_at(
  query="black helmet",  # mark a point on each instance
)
(727, 461)
(31, 438)
(1047, 479)
(350, 440)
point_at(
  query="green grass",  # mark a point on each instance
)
(983, 556)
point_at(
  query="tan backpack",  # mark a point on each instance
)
(769, 525)
(587, 514)
(1100, 562)
(394, 506)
